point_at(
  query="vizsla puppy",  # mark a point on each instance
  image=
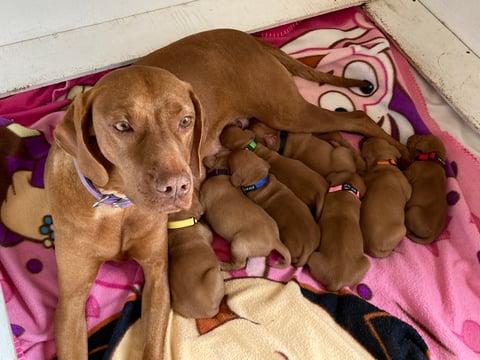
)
(426, 211)
(129, 146)
(339, 261)
(237, 76)
(298, 229)
(382, 216)
(318, 154)
(196, 280)
(245, 225)
(308, 185)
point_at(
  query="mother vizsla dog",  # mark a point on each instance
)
(237, 76)
(125, 146)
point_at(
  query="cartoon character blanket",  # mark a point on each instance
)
(421, 301)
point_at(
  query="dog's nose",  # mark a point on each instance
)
(174, 186)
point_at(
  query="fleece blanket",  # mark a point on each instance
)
(420, 302)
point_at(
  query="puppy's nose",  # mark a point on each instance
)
(174, 186)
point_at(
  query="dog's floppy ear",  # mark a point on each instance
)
(197, 151)
(236, 179)
(72, 135)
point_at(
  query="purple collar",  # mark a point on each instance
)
(107, 199)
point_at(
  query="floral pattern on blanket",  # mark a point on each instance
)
(434, 289)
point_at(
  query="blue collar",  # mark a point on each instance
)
(107, 199)
(257, 185)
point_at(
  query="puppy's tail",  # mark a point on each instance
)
(285, 253)
(297, 68)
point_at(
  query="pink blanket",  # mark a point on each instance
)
(433, 288)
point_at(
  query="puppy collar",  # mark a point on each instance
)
(283, 141)
(257, 185)
(217, 172)
(433, 156)
(107, 199)
(179, 224)
(387, 162)
(251, 146)
(345, 187)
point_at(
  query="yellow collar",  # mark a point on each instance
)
(181, 223)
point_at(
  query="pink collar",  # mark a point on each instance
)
(345, 187)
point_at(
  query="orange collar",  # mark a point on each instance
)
(387, 162)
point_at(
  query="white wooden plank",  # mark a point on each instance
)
(76, 52)
(462, 18)
(7, 350)
(438, 54)
(28, 19)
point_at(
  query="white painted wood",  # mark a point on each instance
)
(451, 67)
(461, 17)
(7, 350)
(72, 53)
(26, 19)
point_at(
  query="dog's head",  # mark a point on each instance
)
(137, 133)
(377, 149)
(246, 167)
(421, 144)
(266, 135)
(234, 137)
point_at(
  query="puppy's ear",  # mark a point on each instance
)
(197, 150)
(236, 179)
(73, 134)
(271, 141)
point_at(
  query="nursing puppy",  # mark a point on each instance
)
(245, 225)
(383, 207)
(339, 261)
(318, 154)
(308, 185)
(298, 229)
(426, 211)
(196, 280)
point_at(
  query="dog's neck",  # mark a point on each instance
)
(247, 188)
(431, 156)
(102, 199)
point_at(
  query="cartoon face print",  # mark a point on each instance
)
(368, 60)
(23, 213)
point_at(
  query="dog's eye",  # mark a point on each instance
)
(186, 121)
(122, 126)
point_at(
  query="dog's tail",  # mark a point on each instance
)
(297, 68)
(285, 253)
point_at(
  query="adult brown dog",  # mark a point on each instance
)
(297, 227)
(318, 154)
(133, 138)
(339, 261)
(238, 76)
(382, 216)
(308, 185)
(247, 226)
(427, 208)
(196, 280)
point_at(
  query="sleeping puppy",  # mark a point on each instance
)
(323, 156)
(383, 207)
(298, 229)
(245, 225)
(196, 280)
(426, 211)
(308, 185)
(339, 261)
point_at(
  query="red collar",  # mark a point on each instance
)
(432, 156)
